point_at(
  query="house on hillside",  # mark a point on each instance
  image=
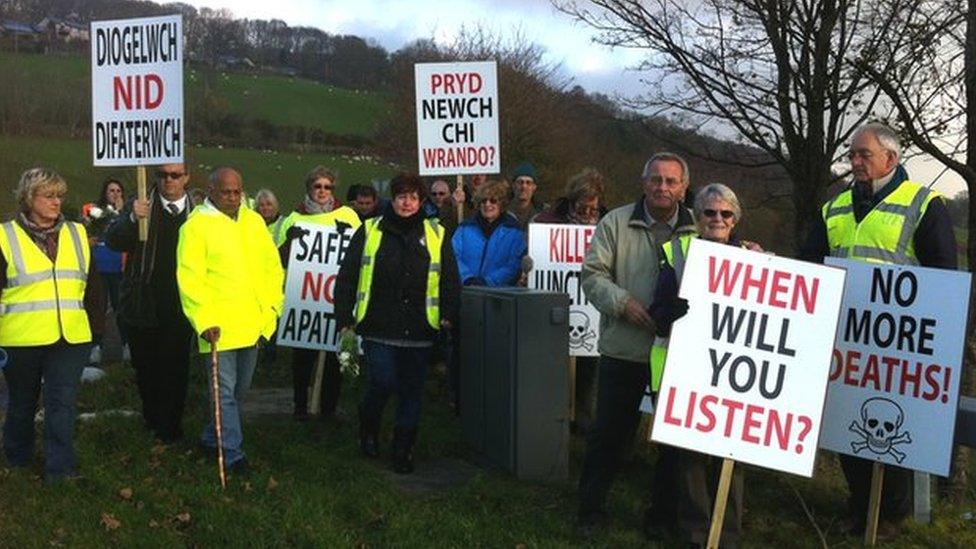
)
(234, 62)
(14, 35)
(66, 30)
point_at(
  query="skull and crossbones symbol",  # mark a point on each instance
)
(881, 421)
(579, 331)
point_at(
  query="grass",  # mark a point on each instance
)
(279, 100)
(284, 173)
(310, 488)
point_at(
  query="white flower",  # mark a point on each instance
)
(95, 212)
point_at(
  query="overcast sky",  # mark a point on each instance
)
(394, 23)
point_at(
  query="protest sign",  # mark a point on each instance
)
(137, 91)
(896, 365)
(557, 257)
(746, 371)
(457, 118)
(308, 321)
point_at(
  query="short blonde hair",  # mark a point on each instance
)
(499, 189)
(35, 179)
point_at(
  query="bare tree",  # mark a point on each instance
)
(774, 71)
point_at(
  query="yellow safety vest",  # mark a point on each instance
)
(433, 236)
(675, 253)
(44, 300)
(345, 214)
(885, 234)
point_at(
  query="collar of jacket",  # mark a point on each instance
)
(684, 224)
(507, 219)
(897, 179)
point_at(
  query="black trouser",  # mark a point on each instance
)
(621, 387)
(302, 368)
(684, 489)
(161, 358)
(896, 492)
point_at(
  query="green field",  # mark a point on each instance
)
(279, 100)
(284, 173)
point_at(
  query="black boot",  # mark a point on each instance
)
(369, 429)
(403, 439)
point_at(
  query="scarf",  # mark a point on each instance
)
(313, 207)
(44, 237)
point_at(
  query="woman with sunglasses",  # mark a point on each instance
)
(320, 206)
(687, 479)
(489, 246)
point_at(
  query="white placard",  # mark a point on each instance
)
(746, 372)
(897, 362)
(457, 118)
(557, 256)
(137, 91)
(308, 321)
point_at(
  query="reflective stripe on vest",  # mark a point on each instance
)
(43, 300)
(676, 257)
(433, 237)
(885, 234)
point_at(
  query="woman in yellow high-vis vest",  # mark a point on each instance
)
(685, 480)
(44, 263)
(398, 286)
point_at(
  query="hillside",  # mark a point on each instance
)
(276, 100)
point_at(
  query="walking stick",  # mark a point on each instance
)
(215, 386)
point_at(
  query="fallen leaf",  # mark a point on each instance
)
(183, 517)
(110, 522)
(125, 493)
(272, 483)
(153, 524)
(158, 449)
(247, 486)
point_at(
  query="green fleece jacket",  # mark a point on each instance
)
(622, 262)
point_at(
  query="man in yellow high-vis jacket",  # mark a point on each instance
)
(230, 281)
(883, 217)
(44, 263)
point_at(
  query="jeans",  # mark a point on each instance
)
(621, 387)
(389, 369)
(236, 368)
(59, 365)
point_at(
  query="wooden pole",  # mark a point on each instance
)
(460, 205)
(141, 194)
(721, 499)
(215, 386)
(874, 504)
(316, 399)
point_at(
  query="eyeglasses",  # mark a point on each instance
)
(661, 180)
(489, 200)
(726, 214)
(863, 154)
(323, 187)
(169, 175)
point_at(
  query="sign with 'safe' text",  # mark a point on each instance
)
(137, 91)
(557, 258)
(457, 118)
(896, 365)
(308, 321)
(746, 371)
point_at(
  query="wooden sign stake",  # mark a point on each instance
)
(721, 498)
(460, 206)
(874, 504)
(316, 400)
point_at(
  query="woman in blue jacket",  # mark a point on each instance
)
(490, 245)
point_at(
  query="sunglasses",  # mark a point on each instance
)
(489, 200)
(169, 175)
(726, 214)
(323, 187)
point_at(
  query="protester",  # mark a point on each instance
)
(104, 281)
(366, 202)
(439, 204)
(149, 304)
(525, 205)
(685, 481)
(870, 221)
(489, 246)
(581, 205)
(319, 197)
(230, 281)
(266, 204)
(197, 196)
(319, 184)
(464, 196)
(44, 262)
(618, 275)
(397, 287)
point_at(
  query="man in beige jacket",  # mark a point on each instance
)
(619, 273)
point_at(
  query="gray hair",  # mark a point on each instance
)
(721, 192)
(887, 137)
(33, 180)
(266, 193)
(214, 177)
(666, 157)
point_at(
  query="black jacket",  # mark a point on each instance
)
(397, 303)
(149, 296)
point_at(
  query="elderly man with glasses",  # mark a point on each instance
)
(159, 333)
